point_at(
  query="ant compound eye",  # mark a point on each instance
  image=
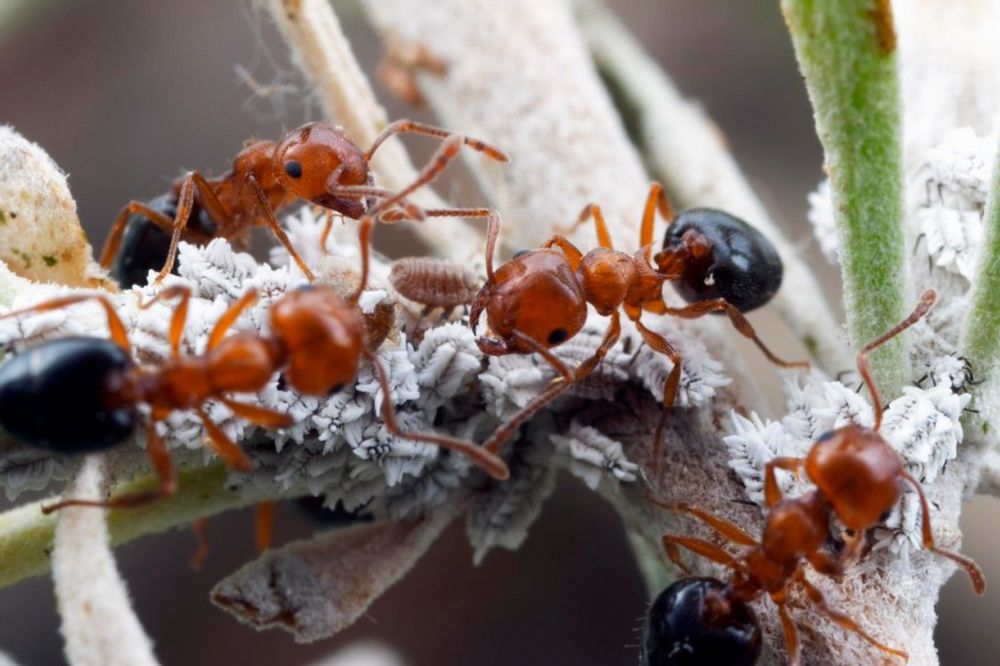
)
(293, 169)
(825, 436)
(558, 335)
(520, 253)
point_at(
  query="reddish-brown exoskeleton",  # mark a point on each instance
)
(858, 478)
(315, 162)
(539, 299)
(317, 340)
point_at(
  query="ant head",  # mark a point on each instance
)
(695, 621)
(535, 296)
(324, 337)
(313, 161)
(715, 255)
(858, 473)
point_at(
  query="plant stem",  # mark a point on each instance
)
(981, 330)
(847, 53)
(26, 533)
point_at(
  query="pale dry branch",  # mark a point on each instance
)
(518, 74)
(98, 623)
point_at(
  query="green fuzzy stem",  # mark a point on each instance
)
(981, 336)
(26, 533)
(846, 51)
(655, 572)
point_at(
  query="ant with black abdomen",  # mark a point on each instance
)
(316, 162)
(858, 478)
(317, 340)
(538, 299)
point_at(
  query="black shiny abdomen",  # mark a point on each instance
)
(744, 268)
(54, 395)
(145, 244)
(679, 629)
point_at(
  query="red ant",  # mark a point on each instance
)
(317, 339)
(538, 299)
(857, 476)
(316, 162)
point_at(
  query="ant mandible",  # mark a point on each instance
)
(858, 479)
(539, 298)
(315, 162)
(317, 340)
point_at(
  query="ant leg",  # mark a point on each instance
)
(572, 252)
(976, 576)
(229, 318)
(660, 344)
(179, 318)
(115, 326)
(545, 353)
(923, 305)
(492, 233)
(365, 247)
(226, 448)
(816, 597)
(185, 202)
(789, 630)
(724, 527)
(261, 416)
(740, 323)
(276, 229)
(408, 126)
(400, 214)
(555, 388)
(697, 546)
(210, 201)
(459, 212)
(591, 210)
(114, 239)
(200, 529)
(483, 458)
(610, 338)
(404, 209)
(263, 524)
(163, 467)
(325, 236)
(772, 493)
(656, 198)
(447, 152)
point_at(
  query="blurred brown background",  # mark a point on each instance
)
(126, 95)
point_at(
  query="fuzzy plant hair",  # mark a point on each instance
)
(912, 202)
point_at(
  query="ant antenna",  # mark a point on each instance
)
(492, 232)
(365, 245)
(926, 301)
